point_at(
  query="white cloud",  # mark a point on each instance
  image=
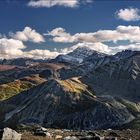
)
(96, 40)
(60, 35)
(14, 47)
(51, 3)
(131, 33)
(11, 48)
(128, 14)
(133, 47)
(41, 54)
(28, 34)
(121, 33)
(98, 46)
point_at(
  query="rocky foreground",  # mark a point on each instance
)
(32, 132)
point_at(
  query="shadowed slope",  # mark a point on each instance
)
(65, 104)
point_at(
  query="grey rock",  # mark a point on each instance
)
(10, 134)
(70, 138)
(42, 132)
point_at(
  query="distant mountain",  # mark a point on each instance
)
(21, 61)
(118, 78)
(67, 59)
(78, 55)
(84, 52)
(126, 54)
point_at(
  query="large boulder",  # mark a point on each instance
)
(9, 134)
(70, 138)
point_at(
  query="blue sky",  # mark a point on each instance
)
(88, 16)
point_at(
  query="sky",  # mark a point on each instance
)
(43, 29)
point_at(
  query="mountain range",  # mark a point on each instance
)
(84, 89)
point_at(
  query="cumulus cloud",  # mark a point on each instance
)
(96, 40)
(60, 35)
(41, 54)
(98, 46)
(134, 47)
(129, 33)
(128, 14)
(11, 48)
(51, 3)
(28, 34)
(15, 48)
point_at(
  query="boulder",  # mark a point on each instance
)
(70, 138)
(9, 134)
(42, 132)
(58, 137)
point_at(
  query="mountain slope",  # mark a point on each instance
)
(101, 92)
(117, 78)
(10, 89)
(65, 104)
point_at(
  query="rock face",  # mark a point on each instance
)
(119, 78)
(10, 134)
(68, 59)
(84, 52)
(78, 55)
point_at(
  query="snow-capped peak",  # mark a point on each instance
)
(82, 52)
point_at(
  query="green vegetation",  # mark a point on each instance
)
(74, 85)
(135, 124)
(130, 106)
(12, 88)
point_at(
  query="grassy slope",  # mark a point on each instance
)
(135, 124)
(10, 89)
(74, 85)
